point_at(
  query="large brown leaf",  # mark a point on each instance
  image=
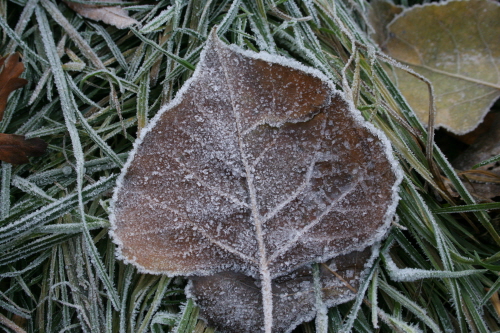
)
(454, 44)
(16, 149)
(258, 166)
(10, 69)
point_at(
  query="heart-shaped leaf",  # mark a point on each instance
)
(454, 44)
(258, 166)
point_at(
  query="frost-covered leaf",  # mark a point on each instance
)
(227, 297)
(114, 15)
(258, 166)
(10, 69)
(455, 45)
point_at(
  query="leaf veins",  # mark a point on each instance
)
(260, 167)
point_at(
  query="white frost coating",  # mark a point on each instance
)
(359, 119)
(291, 63)
(309, 311)
(274, 59)
(415, 274)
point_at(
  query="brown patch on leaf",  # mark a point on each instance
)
(10, 69)
(16, 149)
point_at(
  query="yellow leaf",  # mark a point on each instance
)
(456, 46)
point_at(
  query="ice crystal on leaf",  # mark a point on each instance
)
(258, 168)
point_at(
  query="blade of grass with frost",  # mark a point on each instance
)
(12, 34)
(488, 161)
(24, 18)
(452, 284)
(34, 264)
(187, 321)
(159, 293)
(409, 305)
(348, 324)
(55, 175)
(10, 109)
(158, 22)
(63, 291)
(260, 26)
(111, 45)
(414, 274)
(160, 49)
(72, 32)
(17, 228)
(97, 139)
(137, 298)
(450, 173)
(69, 115)
(306, 36)
(124, 287)
(467, 208)
(74, 228)
(33, 121)
(10, 306)
(5, 190)
(373, 299)
(30, 188)
(142, 104)
(229, 18)
(398, 325)
(74, 87)
(28, 248)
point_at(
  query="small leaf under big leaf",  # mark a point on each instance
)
(226, 297)
(10, 69)
(16, 149)
(258, 166)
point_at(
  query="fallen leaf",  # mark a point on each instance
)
(380, 14)
(10, 69)
(455, 45)
(114, 15)
(483, 182)
(227, 296)
(16, 149)
(258, 166)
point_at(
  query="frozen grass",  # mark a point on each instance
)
(92, 87)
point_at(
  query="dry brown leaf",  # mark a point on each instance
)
(114, 15)
(380, 14)
(482, 182)
(258, 166)
(455, 45)
(228, 295)
(16, 149)
(10, 69)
